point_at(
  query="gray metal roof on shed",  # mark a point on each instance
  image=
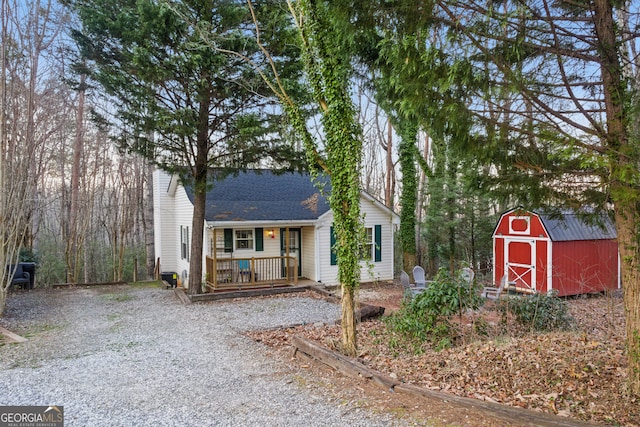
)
(262, 195)
(571, 226)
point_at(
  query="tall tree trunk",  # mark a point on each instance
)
(625, 194)
(148, 223)
(200, 172)
(86, 276)
(422, 184)
(451, 207)
(435, 215)
(390, 178)
(406, 150)
(197, 243)
(200, 177)
(627, 220)
(4, 282)
(72, 243)
(348, 322)
(121, 251)
(472, 233)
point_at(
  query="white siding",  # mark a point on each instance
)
(369, 271)
(173, 210)
(308, 247)
(183, 218)
(164, 222)
(382, 270)
(271, 245)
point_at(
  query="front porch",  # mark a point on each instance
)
(227, 274)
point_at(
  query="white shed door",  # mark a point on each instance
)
(520, 263)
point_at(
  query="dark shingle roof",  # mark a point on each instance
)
(570, 226)
(262, 195)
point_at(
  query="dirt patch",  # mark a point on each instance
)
(578, 374)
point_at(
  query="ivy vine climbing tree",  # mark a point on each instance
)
(326, 58)
(407, 152)
(328, 68)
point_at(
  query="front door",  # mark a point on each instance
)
(520, 265)
(290, 244)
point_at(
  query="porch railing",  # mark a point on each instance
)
(260, 271)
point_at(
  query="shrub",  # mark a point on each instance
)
(540, 311)
(426, 317)
(446, 296)
(28, 255)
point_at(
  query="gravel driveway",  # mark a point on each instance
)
(135, 356)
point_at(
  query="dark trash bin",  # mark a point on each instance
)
(171, 277)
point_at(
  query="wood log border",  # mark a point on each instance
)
(78, 285)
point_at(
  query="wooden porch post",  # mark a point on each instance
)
(286, 241)
(286, 251)
(214, 269)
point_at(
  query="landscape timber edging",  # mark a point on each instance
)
(244, 293)
(353, 368)
(79, 285)
(11, 337)
(182, 296)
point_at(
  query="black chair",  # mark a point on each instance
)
(20, 277)
(30, 267)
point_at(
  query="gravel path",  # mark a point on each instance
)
(135, 356)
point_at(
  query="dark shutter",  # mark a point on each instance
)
(228, 240)
(378, 240)
(187, 247)
(334, 257)
(182, 254)
(259, 239)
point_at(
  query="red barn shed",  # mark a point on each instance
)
(539, 253)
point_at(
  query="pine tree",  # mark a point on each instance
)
(183, 97)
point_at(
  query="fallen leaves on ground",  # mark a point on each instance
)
(579, 373)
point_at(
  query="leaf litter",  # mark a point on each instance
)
(580, 373)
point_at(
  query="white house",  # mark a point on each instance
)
(265, 224)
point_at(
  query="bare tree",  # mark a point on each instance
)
(147, 220)
(71, 252)
(377, 172)
(28, 120)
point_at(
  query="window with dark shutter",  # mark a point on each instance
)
(378, 243)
